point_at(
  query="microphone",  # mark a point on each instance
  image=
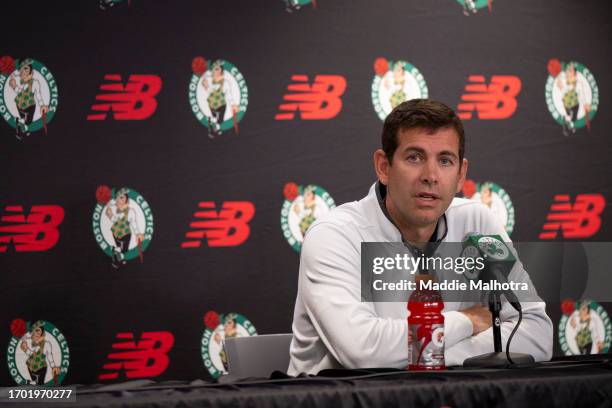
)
(498, 261)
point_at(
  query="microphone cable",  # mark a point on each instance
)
(518, 323)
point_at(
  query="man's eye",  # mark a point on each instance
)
(446, 161)
(414, 157)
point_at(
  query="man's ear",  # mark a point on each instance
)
(381, 166)
(462, 175)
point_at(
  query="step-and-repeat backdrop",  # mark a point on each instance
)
(161, 161)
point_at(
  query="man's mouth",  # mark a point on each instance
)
(427, 196)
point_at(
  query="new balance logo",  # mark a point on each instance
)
(132, 101)
(146, 358)
(32, 233)
(494, 101)
(580, 220)
(228, 227)
(318, 101)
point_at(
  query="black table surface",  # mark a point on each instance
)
(569, 382)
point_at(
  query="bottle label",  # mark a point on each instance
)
(426, 345)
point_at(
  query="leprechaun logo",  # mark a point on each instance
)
(218, 328)
(37, 353)
(472, 6)
(122, 224)
(302, 206)
(584, 328)
(395, 82)
(28, 95)
(218, 95)
(493, 197)
(294, 5)
(572, 95)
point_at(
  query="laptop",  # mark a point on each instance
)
(257, 356)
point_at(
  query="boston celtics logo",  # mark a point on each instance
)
(572, 95)
(37, 353)
(218, 95)
(493, 248)
(584, 328)
(295, 5)
(495, 198)
(302, 206)
(219, 328)
(472, 6)
(395, 82)
(122, 224)
(28, 95)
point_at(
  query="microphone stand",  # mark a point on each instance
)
(498, 358)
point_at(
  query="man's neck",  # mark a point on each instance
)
(415, 235)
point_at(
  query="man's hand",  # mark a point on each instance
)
(480, 316)
(12, 82)
(23, 346)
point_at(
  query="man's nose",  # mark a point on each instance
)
(430, 175)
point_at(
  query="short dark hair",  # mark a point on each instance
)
(420, 113)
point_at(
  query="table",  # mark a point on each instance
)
(584, 381)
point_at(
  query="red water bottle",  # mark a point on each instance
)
(425, 327)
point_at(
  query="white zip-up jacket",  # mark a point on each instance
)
(333, 328)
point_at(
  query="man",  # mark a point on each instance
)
(306, 212)
(218, 97)
(230, 330)
(40, 355)
(28, 95)
(586, 331)
(123, 219)
(420, 168)
(396, 85)
(493, 203)
(574, 96)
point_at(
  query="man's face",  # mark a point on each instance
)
(122, 201)
(485, 195)
(584, 313)
(309, 199)
(217, 73)
(398, 72)
(424, 176)
(570, 72)
(229, 325)
(25, 73)
(37, 335)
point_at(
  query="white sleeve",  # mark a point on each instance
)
(457, 327)
(534, 335)
(37, 94)
(18, 88)
(227, 90)
(581, 93)
(133, 222)
(205, 79)
(116, 214)
(596, 333)
(330, 287)
(49, 354)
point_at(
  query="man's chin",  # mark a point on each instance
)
(425, 217)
